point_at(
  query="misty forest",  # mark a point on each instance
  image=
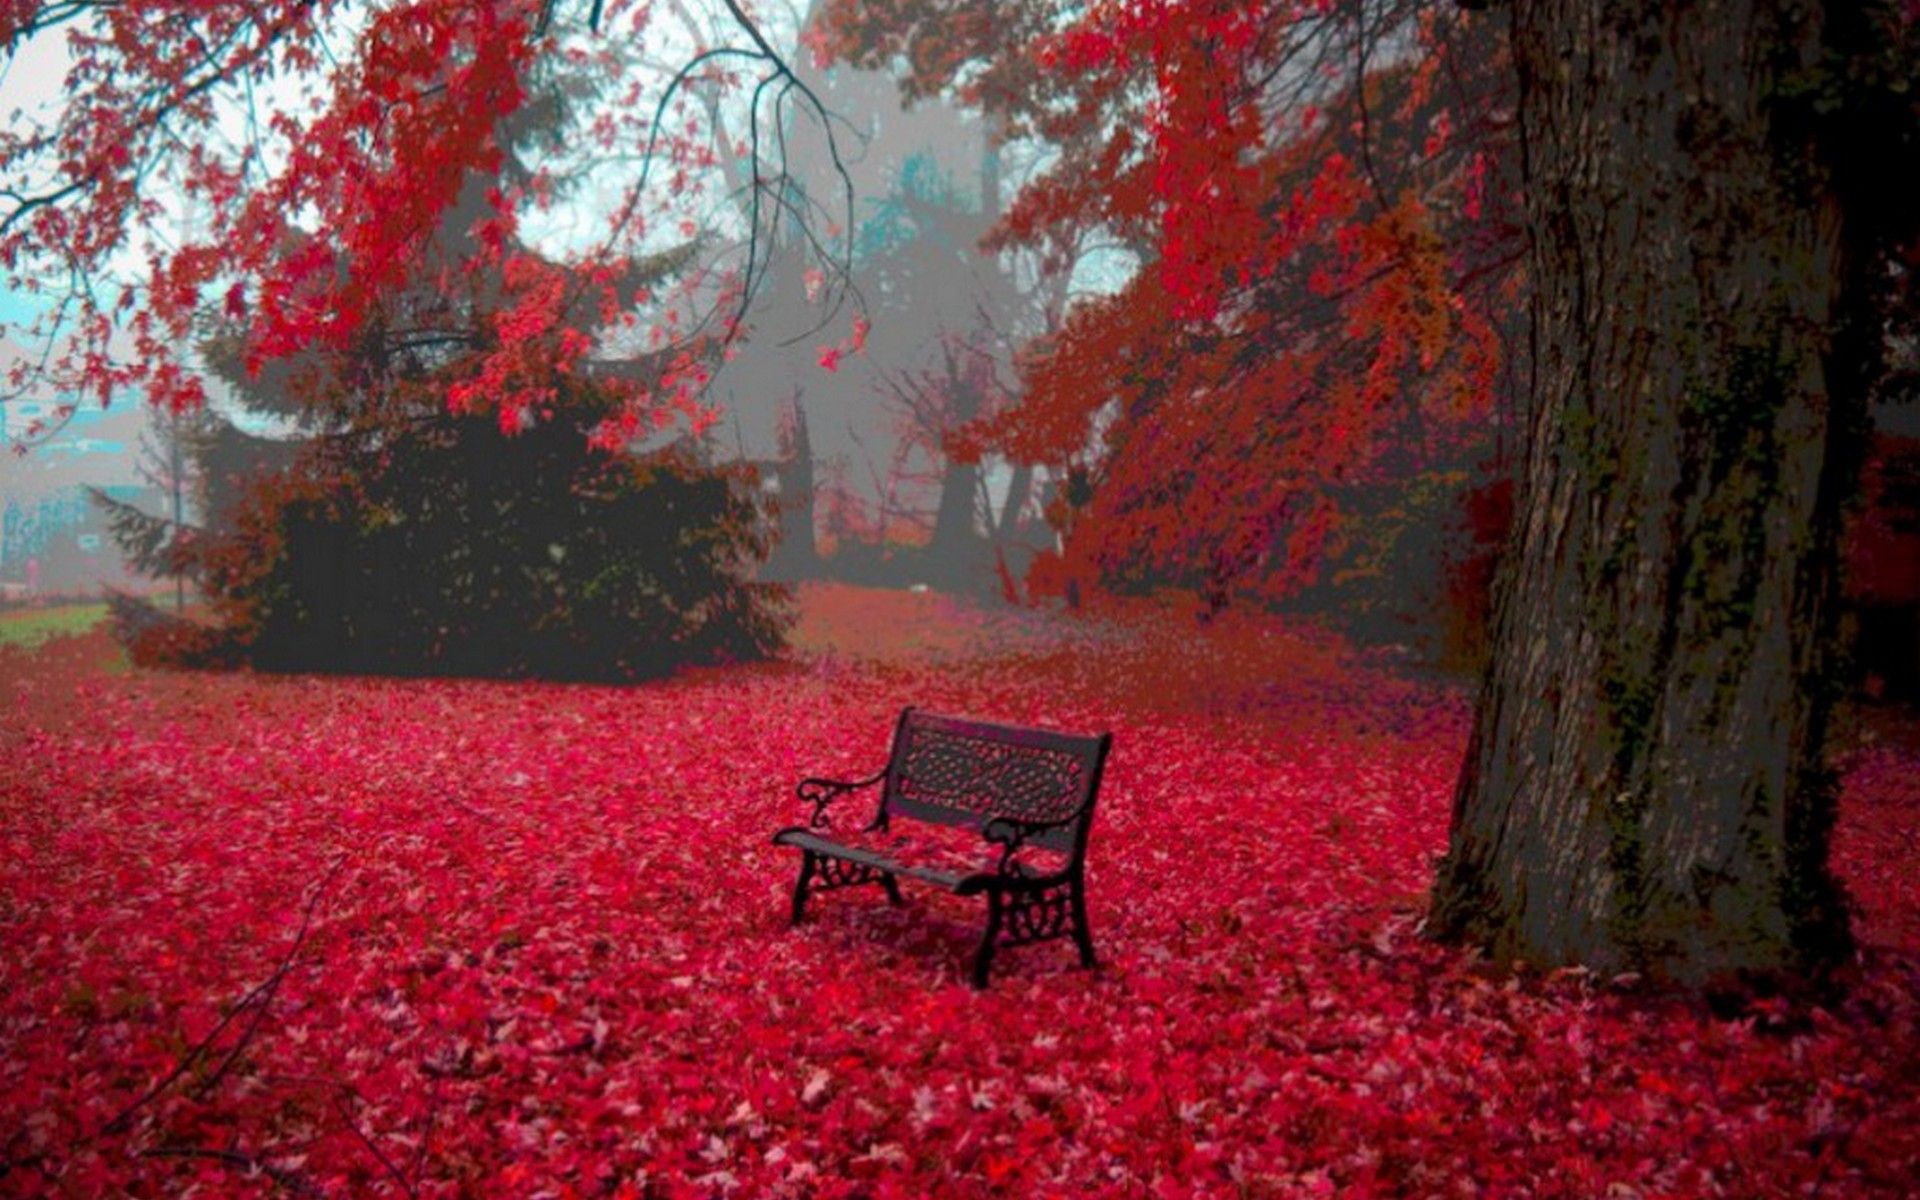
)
(902, 598)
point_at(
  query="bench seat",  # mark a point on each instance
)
(964, 866)
(807, 840)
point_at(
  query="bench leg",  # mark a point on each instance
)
(983, 958)
(800, 888)
(892, 885)
(1082, 933)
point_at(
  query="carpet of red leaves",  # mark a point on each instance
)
(372, 937)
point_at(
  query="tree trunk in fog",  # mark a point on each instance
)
(959, 553)
(1019, 490)
(1645, 787)
(955, 535)
(796, 555)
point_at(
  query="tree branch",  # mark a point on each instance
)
(261, 994)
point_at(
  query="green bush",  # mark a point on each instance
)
(446, 547)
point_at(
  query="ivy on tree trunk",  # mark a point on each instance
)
(1646, 786)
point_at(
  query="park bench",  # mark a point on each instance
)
(975, 808)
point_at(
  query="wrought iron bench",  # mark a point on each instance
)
(1017, 788)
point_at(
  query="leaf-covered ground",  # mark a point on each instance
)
(363, 937)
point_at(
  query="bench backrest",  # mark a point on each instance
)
(958, 771)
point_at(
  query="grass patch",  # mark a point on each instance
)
(31, 626)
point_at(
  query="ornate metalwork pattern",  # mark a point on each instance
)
(1036, 916)
(830, 873)
(988, 777)
(822, 792)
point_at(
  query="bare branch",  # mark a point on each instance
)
(260, 994)
(293, 1181)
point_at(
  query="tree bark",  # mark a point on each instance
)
(1645, 788)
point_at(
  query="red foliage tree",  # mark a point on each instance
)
(1317, 200)
(317, 147)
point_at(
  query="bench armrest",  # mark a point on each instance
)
(822, 792)
(1011, 833)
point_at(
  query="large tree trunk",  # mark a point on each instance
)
(1645, 788)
